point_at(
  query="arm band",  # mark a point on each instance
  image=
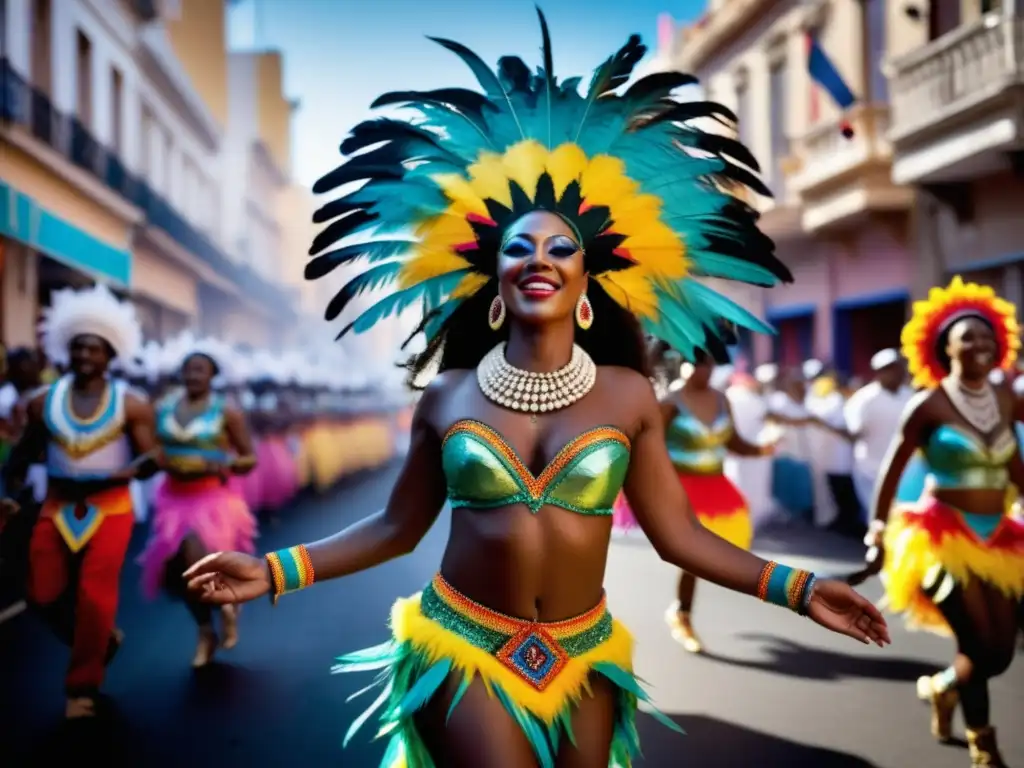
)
(290, 570)
(784, 586)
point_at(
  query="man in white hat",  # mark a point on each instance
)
(89, 426)
(873, 414)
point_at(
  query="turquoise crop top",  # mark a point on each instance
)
(695, 447)
(959, 458)
(483, 471)
(201, 440)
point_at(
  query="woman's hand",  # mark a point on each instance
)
(229, 577)
(836, 606)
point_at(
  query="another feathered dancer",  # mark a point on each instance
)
(646, 189)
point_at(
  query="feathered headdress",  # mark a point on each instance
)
(95, 311)
(647, 191)
(920, 337)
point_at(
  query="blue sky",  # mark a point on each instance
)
(341, 54)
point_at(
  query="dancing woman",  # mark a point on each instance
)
(699, 432)
(954, 561)
(204, 440)
(535, 248)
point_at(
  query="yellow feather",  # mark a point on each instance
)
(426, 265)
(487, 175)
(409, 625)
(469, 285)
(604, 181)
(565, 165)
(461, 193)
(632, 290)
(524, 163)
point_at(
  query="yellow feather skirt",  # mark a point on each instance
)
(537, 671)
(928, 537)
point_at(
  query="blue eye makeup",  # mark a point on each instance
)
(563, 247)
(518, 247)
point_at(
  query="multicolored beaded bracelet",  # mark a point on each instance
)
(290, 570)
(784, 586)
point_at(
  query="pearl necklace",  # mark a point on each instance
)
(980, 408)
(520, 390)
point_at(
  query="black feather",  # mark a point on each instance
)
(349, 172)
(717, 144)
(545, 195)
(339, 229)
(513, 74)
(657, 85)
(616, 69)
(681, 112)
(521, 202)
(334, 209)
(384, 129)
(549, 71)
(483, 73)
(372, 278)
(464, 100)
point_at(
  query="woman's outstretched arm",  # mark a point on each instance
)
(664, 514)
(416, 500)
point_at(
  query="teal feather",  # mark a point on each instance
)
(530, 727)
(640, 123)
(401, 300)
(372, 252)
(395, 748)
(627, 682)
(459, 693)
(385, 653)
(424, 688)
(360, 721)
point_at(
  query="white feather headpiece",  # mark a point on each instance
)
(95, 311)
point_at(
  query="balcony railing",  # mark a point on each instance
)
(824, 155)
(28, 107)
(956, 72)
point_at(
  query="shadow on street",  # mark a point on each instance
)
(792, 659)
(711, 742)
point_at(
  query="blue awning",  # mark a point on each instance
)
(24, 219)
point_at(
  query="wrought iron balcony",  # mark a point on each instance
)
(31, 109)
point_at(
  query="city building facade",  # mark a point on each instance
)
(114, 120)
(957, 133)
(839, 220)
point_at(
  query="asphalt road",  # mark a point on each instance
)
(772, 690)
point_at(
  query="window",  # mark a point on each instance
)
(83, 73)
(146, 165)
(778, 91)
(41, 36)
(116, 109)
(875, 49)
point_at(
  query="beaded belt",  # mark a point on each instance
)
(534, 651)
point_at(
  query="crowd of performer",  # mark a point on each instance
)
(546, 245)
(195, 437)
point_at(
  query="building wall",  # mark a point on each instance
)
(274, 111)
(198, 35)
(297, 231)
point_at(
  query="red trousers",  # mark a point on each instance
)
(51, 566)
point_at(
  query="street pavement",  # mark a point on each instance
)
(773, 690)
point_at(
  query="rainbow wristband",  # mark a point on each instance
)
(290, 570)
(784, 586)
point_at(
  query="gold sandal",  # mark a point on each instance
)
(682, 629)
(983, 747)
(943, 704)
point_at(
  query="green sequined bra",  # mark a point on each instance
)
(484, 472)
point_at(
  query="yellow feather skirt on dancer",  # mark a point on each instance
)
(537, 671)
(927, 538)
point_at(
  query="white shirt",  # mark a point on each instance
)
(8, 399)
(873, 413)
(836, 452)
(793, 443)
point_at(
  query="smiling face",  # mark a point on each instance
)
(90, 355)
(972, 345)
(540, 269)
(196, 373)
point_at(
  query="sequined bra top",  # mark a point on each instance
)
(198, 442)
(483, 471)
(90, 448)
(697, 448)
(958, 458)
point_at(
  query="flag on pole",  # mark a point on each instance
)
(824, 73)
